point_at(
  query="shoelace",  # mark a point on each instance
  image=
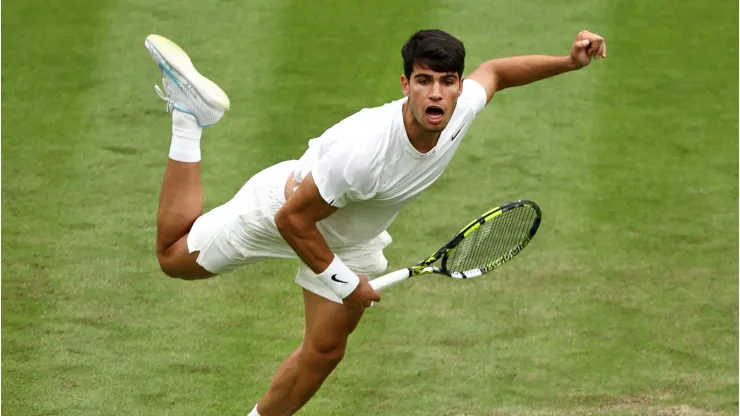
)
(164, 97)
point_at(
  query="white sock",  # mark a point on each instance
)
(186, 133)
(254, 412)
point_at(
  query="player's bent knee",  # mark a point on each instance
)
(185, 271)
(167, 268)
(177, 262)
(327, 354)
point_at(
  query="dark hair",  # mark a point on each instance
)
(434, 49)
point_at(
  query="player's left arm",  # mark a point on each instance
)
(498, 74)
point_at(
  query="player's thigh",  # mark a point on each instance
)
(239, 232)
(363, 261)
(233, 235)
(328, 323)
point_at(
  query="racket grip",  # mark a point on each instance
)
(390, 279)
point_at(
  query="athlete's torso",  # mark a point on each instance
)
(366, 166)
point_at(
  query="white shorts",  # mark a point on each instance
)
(243, 231)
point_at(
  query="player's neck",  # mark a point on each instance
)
(422, 140)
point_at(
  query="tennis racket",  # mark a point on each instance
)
(483, 245)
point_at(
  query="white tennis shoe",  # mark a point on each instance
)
(185, 88)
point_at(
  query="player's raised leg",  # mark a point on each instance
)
(328, 326)
(195, 102)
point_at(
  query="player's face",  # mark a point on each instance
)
(432, 96)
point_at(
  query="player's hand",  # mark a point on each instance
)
(587, 46)
(363, 295)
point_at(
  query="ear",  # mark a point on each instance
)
(405, 85)
(459, 93)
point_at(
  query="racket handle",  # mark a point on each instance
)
(390, 279)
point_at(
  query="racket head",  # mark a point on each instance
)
(491, 240)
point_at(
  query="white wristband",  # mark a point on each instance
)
(340, 279)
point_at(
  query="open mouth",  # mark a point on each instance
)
(435, 114)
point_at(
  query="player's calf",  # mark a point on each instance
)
(328, 327)
(300, 377)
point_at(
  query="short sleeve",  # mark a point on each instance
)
(473, 95)
(345, 174)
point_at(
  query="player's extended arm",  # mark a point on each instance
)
(497, 74)
(296, 221)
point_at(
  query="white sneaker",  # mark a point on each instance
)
(185, 88)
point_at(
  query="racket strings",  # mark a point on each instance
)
(493, 240)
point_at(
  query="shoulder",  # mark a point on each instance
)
(362, 153)
(366, 132)
(469, 104)
(473, 96)
(370, 119)
(359, 143)
(349, 170)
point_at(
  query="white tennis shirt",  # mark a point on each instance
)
(366, 166)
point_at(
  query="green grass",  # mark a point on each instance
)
(624, 304)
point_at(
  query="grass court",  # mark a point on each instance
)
(626, 302)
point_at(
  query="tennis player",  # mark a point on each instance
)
(330, 208)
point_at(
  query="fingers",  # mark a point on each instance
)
(601, 50)
(594, 47)
(369, 301)
(594, 50)
(595, 44)
(582, 44)
(370, 295)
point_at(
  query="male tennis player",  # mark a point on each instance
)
(330, 208)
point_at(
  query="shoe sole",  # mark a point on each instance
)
(175, 63)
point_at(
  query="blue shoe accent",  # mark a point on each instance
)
(171, 75)
(209, 107)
